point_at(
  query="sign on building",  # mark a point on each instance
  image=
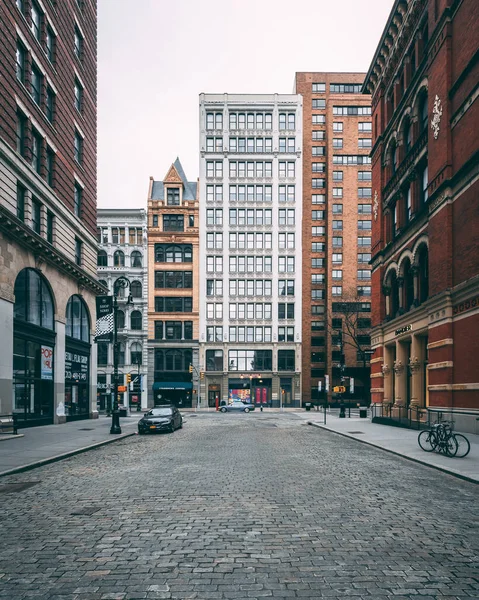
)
(104, 319)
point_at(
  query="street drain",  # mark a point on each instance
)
(357, 432)
(85, 510)
(10, 488)
(86, 429)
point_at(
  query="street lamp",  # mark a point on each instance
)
(121, 283)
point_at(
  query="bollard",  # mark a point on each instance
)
(342, 411)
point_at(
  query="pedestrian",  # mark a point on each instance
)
(261, 408)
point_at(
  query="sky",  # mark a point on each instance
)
(156, 56)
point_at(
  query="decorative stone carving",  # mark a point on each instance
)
(437, 114)
(414, 364)
(375, 205)
(398, 367)
(386, 369)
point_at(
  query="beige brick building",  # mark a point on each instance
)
(173, 290)
(336, 233)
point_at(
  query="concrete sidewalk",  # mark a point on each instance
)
(400, 441)
(41, 445)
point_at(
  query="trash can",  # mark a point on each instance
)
(363, 412)
(122, 410)
(307, 405)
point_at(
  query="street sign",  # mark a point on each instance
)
(340, 389)
(326, 383)
(319, 386)
(351, 385)
(122, 388)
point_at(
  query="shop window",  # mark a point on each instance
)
(77, 319)
(33, 299)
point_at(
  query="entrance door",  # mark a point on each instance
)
(213, 397)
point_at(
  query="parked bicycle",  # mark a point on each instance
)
(441, 438)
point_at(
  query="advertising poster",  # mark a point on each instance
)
(104, 319)
(242, 395)
(47, 363)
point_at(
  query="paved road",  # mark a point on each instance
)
(238, 507)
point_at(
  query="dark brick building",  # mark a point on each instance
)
(425, 264)
(48, 249)
(336, 231)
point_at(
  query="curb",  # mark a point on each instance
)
(11, 437)
(58, 457)
(416, 460)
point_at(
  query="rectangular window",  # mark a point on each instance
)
(364, 175)
(337, 224)
(364, 225)
(345, 88)
(78, 43)
(337, 290)
(318, 119)
(318, 247)
(337, 209)
(50, 165)
(364, 257)
(337, 192)
(78, 251)
(318, 151)
(317, 215)
(50, 104)
(337, 142)
(319, 88)
(319, 136)
(337, 274)
(77, 206)
(174, 279)
(286, 360)
(338, 175)
(318, 183)
(36, 150)
(21, 58)
(364, 241)
(318, 198)
(363, 127)
(364, 290)
(21, 191)
(318, 103)
(337, 258)
(37, 79)
(364, 192)
(50, 44)
(337, 126)
(351, 110)
(173, 304)
(173, 222)
(364, 209)
(36, 25)
(337, 241)
(78, 147)
(365, 143)
(50, 225)
(78, 90)
(364, 274)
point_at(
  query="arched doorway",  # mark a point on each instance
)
(77, 360)
(33, 350)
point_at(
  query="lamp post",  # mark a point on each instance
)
(121, 283)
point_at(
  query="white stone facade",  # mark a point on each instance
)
(250, 224)
(122, 237)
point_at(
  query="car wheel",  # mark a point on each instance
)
(141, 431)
(172, 428)
(223, 409)
(246, 409)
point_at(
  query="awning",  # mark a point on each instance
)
(172, 385)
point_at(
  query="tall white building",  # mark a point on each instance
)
(250, 251)
(122, 251)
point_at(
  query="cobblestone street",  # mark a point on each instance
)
(238, 507)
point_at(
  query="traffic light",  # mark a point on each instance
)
(128, 378)
(202, 375)
(191, 369)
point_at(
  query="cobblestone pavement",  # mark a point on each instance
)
(238, 507)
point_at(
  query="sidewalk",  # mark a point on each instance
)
(400, 441)
(41, 445)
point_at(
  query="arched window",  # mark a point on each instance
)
(136, 353)
(408, 286)
(407, 136)
(118, 259)
(78, 320)
(120, 319)
(135, 320)
(422, 112)
(394, 299)
(424, 182)
(423, 265)
(394, 158)
(33, 299)
(136, 259)
(136, 289)
(118, 290)
(102, 259)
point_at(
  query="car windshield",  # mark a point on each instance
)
(160, 412)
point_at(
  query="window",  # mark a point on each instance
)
(364, 274)
(318, 119)
(214, 168)
(345, 88)
(364, 209)
(337, 192)
(21, 61)
(337, 126)
(407, 136)
(173, 222)
(78, 43)
(364, 290)
(337, 209)
(364, 257)
(318, 150)
(102, 356)
(337, 142)
(136, 353)
(337, 274)
(250, 360)
(365, 143)
(78, 251)
(136, 289)
(317, 341)
(50, 225)
(364, 192)
(21, 191)
(423, 113)
(424, 179)
(50, 165)
(318, 198)
(214, 360)
(36, 89)
(286, 360)
(136, 259)
(214, 287)
(78, 90)
(78, 148)
(77, 200)
(338, 175)
(317, 278)
(365, 127)
(319, 88)
(173, 304)
(36, 25)
(214, 120)
(337, 224)
(286, 287)
(318, 103)
(337, 258)
(318, 167)
(318, 183)
(36, 150)
(286, 310)
(173, 196)
(364, 225)
(118, 259)
(50, 43)
(337, 241)
(337, 290)
(319, 136)
(173, 279)
(364, 175)
(102, 259)
(21, 6)
(351, 110)
(364, 241)
(36, 216)
(50, 104)
(351, 159)
(136, 320)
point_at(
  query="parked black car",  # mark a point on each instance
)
(161, 418)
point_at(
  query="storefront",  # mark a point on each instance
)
(177, 393)
(254, 389)
(33, 350)
(77, 360)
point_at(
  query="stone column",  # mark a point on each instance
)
(388, 374)
(400, 281)
(415, 274)
(400, 374)
(6, 356)
(415, 365)
(59, 377)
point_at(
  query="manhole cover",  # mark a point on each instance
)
(86, 429)
(357, 432)
(85, 510)
(9, 488)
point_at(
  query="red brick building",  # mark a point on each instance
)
(48, 247)
(425, 263)
(336, 232)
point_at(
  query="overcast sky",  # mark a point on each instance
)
(156, 56)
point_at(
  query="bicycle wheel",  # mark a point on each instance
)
(427, 440)
(450, 446)
(463, 445)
